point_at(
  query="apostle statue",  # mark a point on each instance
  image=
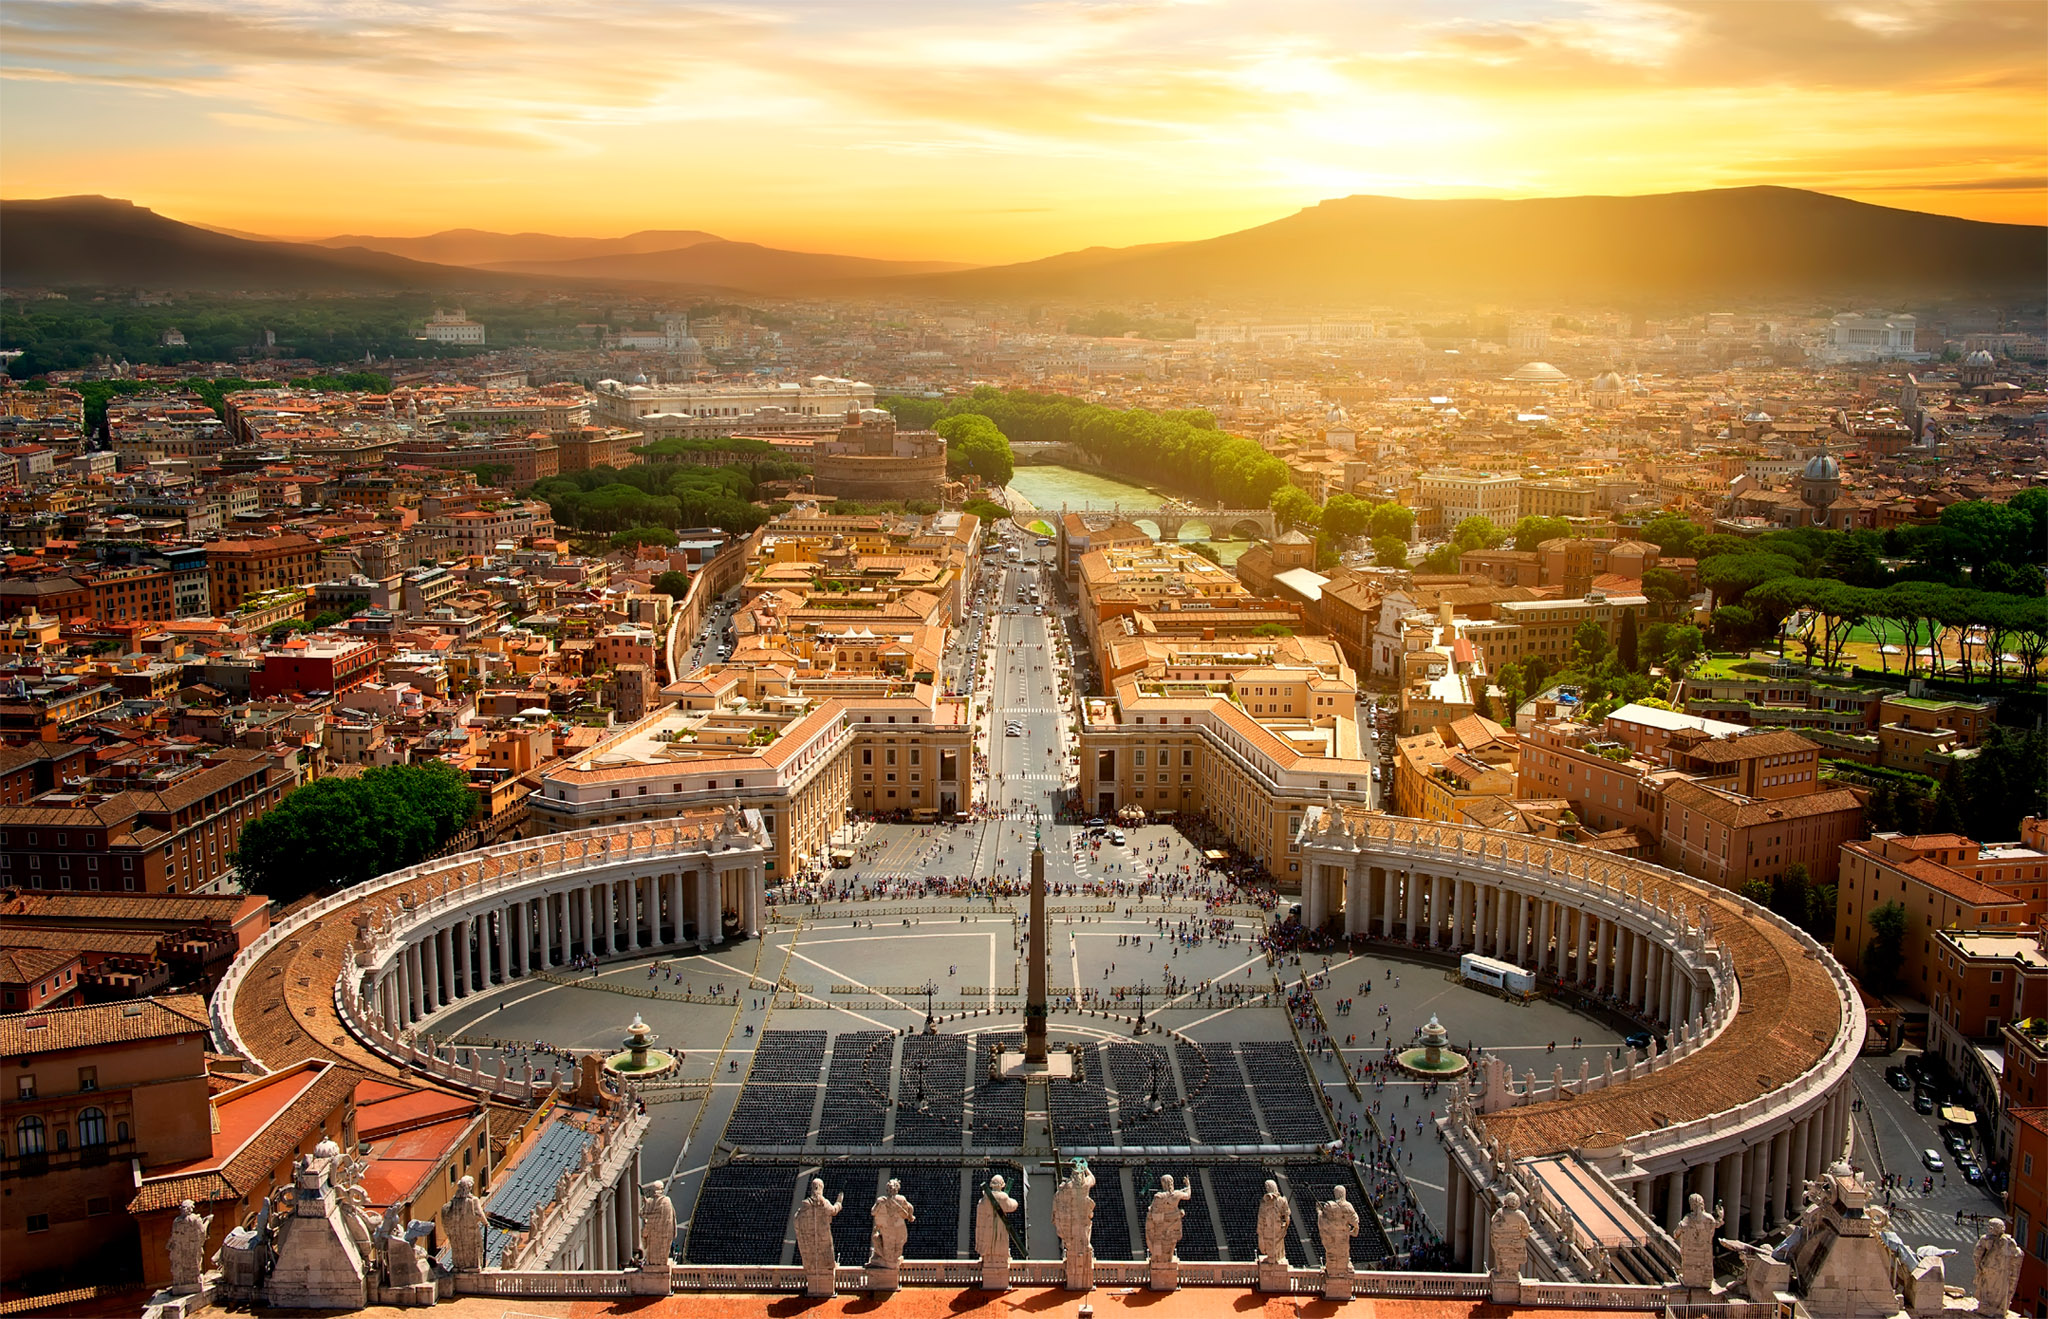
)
(1163, 1221)
(1336, 1224)
(1997, 1258)
(892, 1216)
(1073, 1218)
(462, 1218)
(1275, 1214)
(188, 1248)
(1696, 1233)
(657, 1225)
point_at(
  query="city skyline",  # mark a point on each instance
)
(1005, 132)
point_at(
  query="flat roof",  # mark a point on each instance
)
(1672, 721)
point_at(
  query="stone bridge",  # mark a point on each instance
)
(1167, 523)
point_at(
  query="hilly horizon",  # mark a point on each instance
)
(1727, 242)
(484, 248)
(99, 241)
(749, 267)
(1746, 243)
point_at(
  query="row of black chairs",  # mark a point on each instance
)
(1142, 1077)
(741, 1215)
(771, 1115)
(857, 1091)
(1222, 1109)
(1285, 1093)
(1080, 1108)
(789, 1056)
(931, 1091)
(998, 1104)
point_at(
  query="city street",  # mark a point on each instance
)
(1889, 1139)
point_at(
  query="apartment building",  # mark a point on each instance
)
(1943, 881)
(1731, 839)
(1251, 751)
(142, 827)
(94, 1093)
(1558, 499)
(1455, 771)
(1982, 979)
(1456, 495)
(239, 570)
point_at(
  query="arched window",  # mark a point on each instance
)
(28, 1136)
(120, 1131)
(92, 1127)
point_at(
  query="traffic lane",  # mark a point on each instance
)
(1890, 1137)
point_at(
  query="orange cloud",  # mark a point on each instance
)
(1001, 131)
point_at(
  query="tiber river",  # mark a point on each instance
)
(1049, 487)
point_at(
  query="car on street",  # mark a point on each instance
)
(1923, 1102)
(1970, 1171)
(1898, 1080)
(1097, 823)
(1931, 1160)
(1956, 1141)
(1116, 837)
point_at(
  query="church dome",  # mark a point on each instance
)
(1537, 373)
(1607, 382)
(1822, 467)
(1979, 358)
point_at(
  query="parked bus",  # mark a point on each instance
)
(1496, 974)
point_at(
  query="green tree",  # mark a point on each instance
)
(1477, 533)
(975, 444)
(334, 832)
(1758, 891)
(1589, 645)
(1532, 531)
(1625, 645)
(674, 584)
(1292, 507)
(1881, 956)
(1345, 516)
(1443, 560)
(635, 537)
(1682, 645)
(1678, 537)
(1391, 519)
(1390, 552)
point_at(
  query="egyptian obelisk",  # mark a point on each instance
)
(1034, 982)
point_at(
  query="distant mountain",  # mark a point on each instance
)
(104, 241)
(1750, 243)
(482, 247)
(747, 267)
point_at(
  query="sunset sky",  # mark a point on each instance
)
(978, 131)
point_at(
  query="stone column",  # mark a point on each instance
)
(584, 900)
(1600, 968)
(522, 937)
(444, 977)
(503, 916)
(1781, 1152)
(1503, 909)
(1703, 1180)
(1387, 904)
(1674, 1198)
(707, 918)
(675, 905)
(1458, 912)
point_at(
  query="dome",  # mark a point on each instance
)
(1822, 467)
(1607, 382)
(1537, 373)
(1979, 358)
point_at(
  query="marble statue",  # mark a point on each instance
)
(1336, 1224)
(399, 1246)
(1073, 1218)
(462, 1218)
(1997, 1258)
(188, 1248)
(992, 1233)
(1696, 1233)
(893, 1216)
(657, 1225)
(1275, 1214)
(814, 1237)
(1163, 1221)
(1508, 1233)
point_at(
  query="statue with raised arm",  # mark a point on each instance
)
(1696, 1233)
(462, 1218)
(992, 1234)
(188, 1248)
(1073, 1218)
(892, 1216)
(1275, 1216)
(1163, 1223)
(657, 1225)
(1997, 1259)
(814, 1238)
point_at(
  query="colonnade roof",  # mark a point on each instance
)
(285, 1009)
(1789, 1017)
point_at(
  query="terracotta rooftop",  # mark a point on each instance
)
(103, 1023)
(1789, 1015)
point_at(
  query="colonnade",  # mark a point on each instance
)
(446, 957)
(1552, 930)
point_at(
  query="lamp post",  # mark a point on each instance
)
(931, 1023)
(1140, 1029)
